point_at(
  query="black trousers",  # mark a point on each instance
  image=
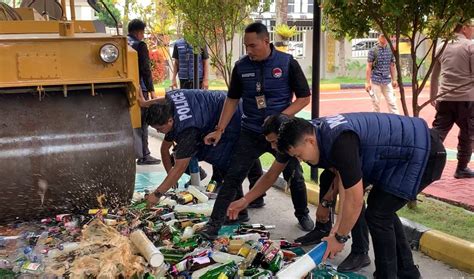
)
(249, 147)
(360, 231)
(462, 113)
(393, 257)
(141, 135)
(188, 83)
(254, 174)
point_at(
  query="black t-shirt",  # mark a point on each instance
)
(144, 67)
(298, 83)
(346, 158)
(187, 142)
(204, 54)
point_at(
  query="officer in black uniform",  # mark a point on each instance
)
(136, 34)
(265, 79)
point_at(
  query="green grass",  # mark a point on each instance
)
(431, 213)
(441, 216)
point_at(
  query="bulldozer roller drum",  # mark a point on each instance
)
(59, 154)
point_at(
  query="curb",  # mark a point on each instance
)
(454, 251)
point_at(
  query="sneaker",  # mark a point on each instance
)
(464, 173)
(354, 262)
(148, 160)
(210, 231)
(306, 223)
(258, 203)
(313, 237)
(242, 218)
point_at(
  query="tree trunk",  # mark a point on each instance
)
(281, 13)
(126, 11)
(342, 57)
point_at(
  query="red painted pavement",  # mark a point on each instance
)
(455, 191)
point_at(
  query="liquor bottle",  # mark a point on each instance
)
(211, 187)
(185, 198)
(257, 226)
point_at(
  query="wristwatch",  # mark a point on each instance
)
(342, 238)
(326, 203)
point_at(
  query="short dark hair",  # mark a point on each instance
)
(292, 132)
(273, 123)
(158, 114)
(136, 25)
(461, 24)
(259, 28)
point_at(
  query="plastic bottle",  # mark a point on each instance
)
(201, 208)
(168, 201)
(187, 233)
(146, 248)
(221, 257)
(201, 197)
(306, 263)
(235, 245)
(247, 237)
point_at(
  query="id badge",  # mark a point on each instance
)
(261, 102)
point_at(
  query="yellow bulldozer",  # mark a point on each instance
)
(67, 108)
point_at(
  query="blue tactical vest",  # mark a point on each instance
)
(393, 155)
(194, 108)
(134, 43)
(273, 76)
(186, 61)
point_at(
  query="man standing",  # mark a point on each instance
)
(265, 79)
(456, 89)
(136, 34)
(183, 66)
(398, 155)
(381, 75)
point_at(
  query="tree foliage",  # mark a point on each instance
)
(214, 23)
(105, 17)
(421, 21)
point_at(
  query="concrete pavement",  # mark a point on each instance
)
(279, 211)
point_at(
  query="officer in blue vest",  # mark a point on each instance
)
(398, 155)
(266, 80)
(183, 66)
(185, 117)
(136, 34)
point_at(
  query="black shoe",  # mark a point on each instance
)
(313, 237)
(464, 173)
(258, 203)
(354, 262)
(148, 160)
(210, 231)
(242, 218)
(306, 223)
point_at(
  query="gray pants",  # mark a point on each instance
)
(140, 138)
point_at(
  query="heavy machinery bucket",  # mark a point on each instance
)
(59, 154)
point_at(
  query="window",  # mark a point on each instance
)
(311, 6)
(291, 6)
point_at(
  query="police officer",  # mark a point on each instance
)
(398, 155)
(183, 66)
(136, 34)
(265, 79)
(185, 117)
